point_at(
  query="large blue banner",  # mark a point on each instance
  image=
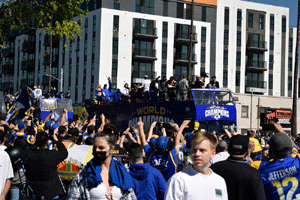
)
(125, 115)
(216, 113)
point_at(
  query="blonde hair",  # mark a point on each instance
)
(203, 135)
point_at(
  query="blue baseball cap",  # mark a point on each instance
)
(152, 142)
(48, 124)
(162, 142)
(54, 126)
(22, 124)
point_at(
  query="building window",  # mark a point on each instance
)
(226, 20)
(238, 58)
(145, 6)
(117, 4)
(225, 78)
(226, 36)
(115, 45)
(203, 54)
(271, 42)
(290, 83)
(164, 50)
(270, 81)
(245, 111)
(203, 13)
(283, 24)
(261, 21)
(180, 10)
(141, 69)
(290, 64)
(143, 48)
(250, 20)
(239, 18)
(165, 8)
(94, 23)
(180, 71)
(225, 59)
(272, 23)
(239, 39)
(203, 34)
(271, 61)
(163, 70)
(237, 78)
(290, 44)
(114, 70)
(116, 23)
(165, 29)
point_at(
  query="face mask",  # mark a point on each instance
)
(99, 156)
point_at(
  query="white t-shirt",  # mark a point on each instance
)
(220, 157)
(99, 192)
(146, 85)
(191, 185)
(6, 170)
(37, 93)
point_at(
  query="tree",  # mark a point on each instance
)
(54, 16)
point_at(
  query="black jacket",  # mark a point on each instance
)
(41, 170)
(243, 181)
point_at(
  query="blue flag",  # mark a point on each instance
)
(18, 109)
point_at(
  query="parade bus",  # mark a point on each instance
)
(214, 109)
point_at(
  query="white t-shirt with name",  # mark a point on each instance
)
(191, 185)
(146, 85)
(37, 93)
(6, 170)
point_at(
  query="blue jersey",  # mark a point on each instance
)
(165, 163)
(281, 178)
(29, 138)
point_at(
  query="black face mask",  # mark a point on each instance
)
(99, 156)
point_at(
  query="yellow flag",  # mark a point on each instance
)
(83, 115)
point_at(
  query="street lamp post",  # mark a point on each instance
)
(61, 80)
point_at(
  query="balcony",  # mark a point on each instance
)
(144, 54)
(138, 76)
(7, 86)
(55, 40)
(257, 65)
(28, 31)
(24, 82)
(256, 86)
(46, 59)
(150, 33)
(28, 46)
(184, 37)
(183, 58)
(28, 65)
(8, 52)
(7, 68)
(253, 45)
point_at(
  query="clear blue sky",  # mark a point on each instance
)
(292, 4)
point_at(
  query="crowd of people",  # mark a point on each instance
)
(153, 90)
(168, 161)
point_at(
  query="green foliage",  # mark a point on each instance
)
(54, 16)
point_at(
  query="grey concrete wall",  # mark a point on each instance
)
(211, 16)
(128, 5)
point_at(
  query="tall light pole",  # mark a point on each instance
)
(295, 95)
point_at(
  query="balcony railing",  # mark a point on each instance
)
(257, 65)
(7, 52)
(144, 54)
(256, 84)
(181, 35)
(7, 86)
(26, 46)
(257, 45)
(28, 65)
(141, 74)
(145, 33)
(7, 68)
(46, 59)
(185, 57)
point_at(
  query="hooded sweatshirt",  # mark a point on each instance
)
(148, 182)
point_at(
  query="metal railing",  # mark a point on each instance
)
(141, 74)
(143, 31)
(257, 64)
(256, 84)
(145, 52)
(185, 35)
(257, 44)
(185, 56)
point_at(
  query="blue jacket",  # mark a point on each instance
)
(117, 96)
(148, 182)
